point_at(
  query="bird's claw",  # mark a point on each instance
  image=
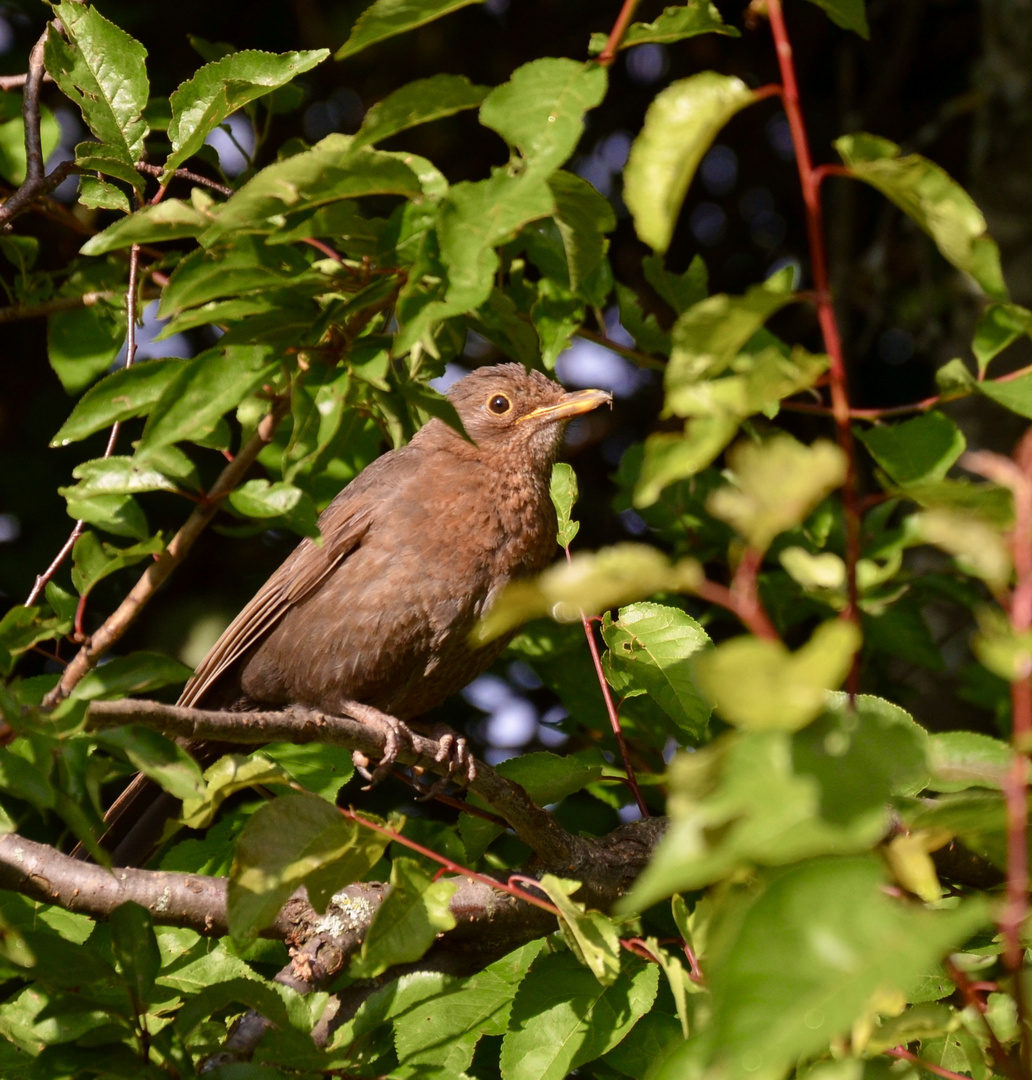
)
(452, 750)
(462, 766)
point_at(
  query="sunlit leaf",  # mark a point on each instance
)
(674, 24)
(680, 126)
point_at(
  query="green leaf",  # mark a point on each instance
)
(103, 70)
(966, 759)
(21, 628)
(651, 647)
(680, 126)
(680, 291)
(557, 315)
(229, 774)
(675, 24)
(564, 495)
(797, 963)
(244, 268)
(670, 457)
(405, 925)
(170, 219)
(773, 798)
(262, 499)
(138, 673)
(591, 936)
(933, 201)
(202, 391)
(135, 949)
(116, 475)
(12, 145)
(287, 843)
(979, 548)
(1000, 325)
(158, 757)
(122, 394)
(201, 103)
(589, 583)
(563, 1017)
(759, 685)
(473, 219)
(438, 1021)
(418, 102)
(540, 110)
(120, 515)
(386, 18)
(325, 174)
(710, 334)
(849, 14)
(583, 217)
(776, 486)
(85, 342)
(1012, 394)
(320, 768)
(917, 450)
(100, 195)
(93, 560)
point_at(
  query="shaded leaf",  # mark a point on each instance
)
(933, 201)
(418, 102)
(122, 394)
(385, 18)
(849, 14)
(916, 450)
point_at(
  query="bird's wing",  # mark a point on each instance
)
(343, 525)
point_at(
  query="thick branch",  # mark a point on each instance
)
(36, 181)
(535, 827)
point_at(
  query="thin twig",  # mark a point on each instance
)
(903, 1053)
(185, 174)
(623, 20)
(116, 427)
(611, 710)
(156, 573)
(16, 312)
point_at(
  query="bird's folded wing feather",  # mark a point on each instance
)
(304, 570)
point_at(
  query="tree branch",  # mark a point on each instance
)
(36, 181)
(536, 827)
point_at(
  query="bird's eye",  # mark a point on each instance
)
(499, 404)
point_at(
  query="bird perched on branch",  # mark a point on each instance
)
(414, 551)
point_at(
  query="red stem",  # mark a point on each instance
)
(809, 179)
(447, 864)
(623, 20)
(938, 1070)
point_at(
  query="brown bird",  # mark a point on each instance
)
(414, 551)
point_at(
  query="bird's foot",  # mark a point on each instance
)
(453, 751)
